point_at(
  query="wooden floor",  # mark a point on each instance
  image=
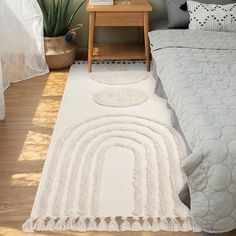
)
(31, 108)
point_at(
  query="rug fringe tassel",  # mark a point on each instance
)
(28, 226)
(164, 225)
(61, 224)
(188, 225)
(102, 225)
(92, 224)
(113, 225)
(155, 226)
(71, 224)
(136, 226)
(125, 225)
(82, 224)
(175, 225)
(146, 225)
(51, 225)
(39, 224)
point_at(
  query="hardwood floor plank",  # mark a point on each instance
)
(16, 203)
(13, 99)
(20, 173)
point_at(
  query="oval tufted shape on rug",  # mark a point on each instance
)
(88, 184)
(120, 77)
(120, 97)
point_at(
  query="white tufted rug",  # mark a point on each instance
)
(111, 169)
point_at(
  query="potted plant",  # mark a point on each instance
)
(59, 32)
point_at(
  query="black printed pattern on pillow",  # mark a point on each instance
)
(212, 17)
(184, 7)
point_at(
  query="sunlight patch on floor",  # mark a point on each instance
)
(25, 179)
(46, 112)
(33, 152)
(34, 146)
(37, 138)
(45, 120)
(53, 88)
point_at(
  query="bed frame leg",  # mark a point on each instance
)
(209, 234)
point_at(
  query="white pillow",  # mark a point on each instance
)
(212, 17)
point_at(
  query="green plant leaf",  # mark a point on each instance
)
(60, 25)
(55, 15)
(74, 14)
(51, 16)
(45, 15)
(43, 7)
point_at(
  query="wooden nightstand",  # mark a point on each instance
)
(134, 14)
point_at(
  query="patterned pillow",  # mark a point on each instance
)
(178, 16)
(212, 17)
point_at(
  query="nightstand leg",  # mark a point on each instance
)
(146, 40)
(91, 39)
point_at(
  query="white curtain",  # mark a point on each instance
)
(21, 43)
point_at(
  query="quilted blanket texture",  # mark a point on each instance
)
(198, 73)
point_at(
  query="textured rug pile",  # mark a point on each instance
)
(114, 159)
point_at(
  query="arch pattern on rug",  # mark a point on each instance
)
(163, 147)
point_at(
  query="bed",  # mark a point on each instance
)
(196, 72)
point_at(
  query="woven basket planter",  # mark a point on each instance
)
(59, 53)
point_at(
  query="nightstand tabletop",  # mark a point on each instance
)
(119, 6)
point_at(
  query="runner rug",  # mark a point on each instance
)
(114, 160)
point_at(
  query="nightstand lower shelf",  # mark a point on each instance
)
(118, 51)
